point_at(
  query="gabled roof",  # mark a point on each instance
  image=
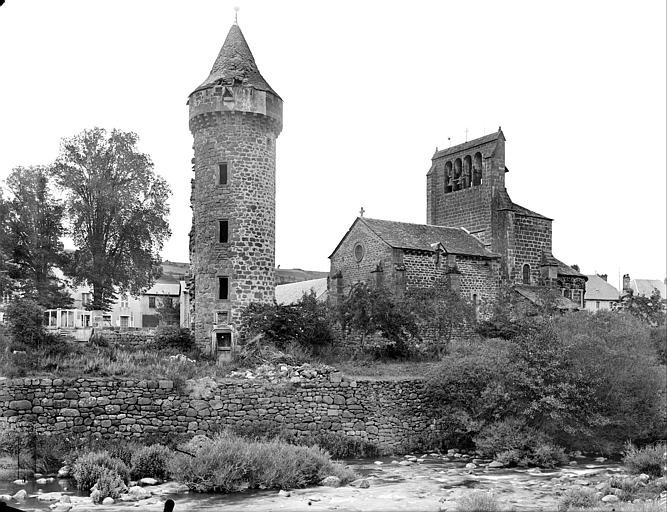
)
(291, 293)
(235, 64)
(470, 144)
(421, 237)
(599, 289)
(645, 287)
(532, 293)
(567, 270)
(164, 288)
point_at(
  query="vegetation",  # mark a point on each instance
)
(651, 310)
(31, 231)
(117, 211)
(580, 381)
(581, 497)
(151, 461)
(650, 460)
(90, 466)
(229, 463)
(478, 501)
(109, 484)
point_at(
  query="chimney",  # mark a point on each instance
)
(626, 282)
(603, 276)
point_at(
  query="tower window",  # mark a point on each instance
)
(223, 173)
(223, 288)
(223, 231)
(526, 274)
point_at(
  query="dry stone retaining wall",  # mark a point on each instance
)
(388, 413)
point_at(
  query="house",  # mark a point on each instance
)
(291, 293)
(643, 287)
(600, 295)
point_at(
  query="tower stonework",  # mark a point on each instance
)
(235, 119)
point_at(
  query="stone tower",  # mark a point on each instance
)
(235, 119)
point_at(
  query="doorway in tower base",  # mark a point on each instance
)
(222, 344)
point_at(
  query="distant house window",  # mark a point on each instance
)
(125, 321)
(151, 301)
(223, 231)
(86, 298)
(223, 173)
(106, 320)
(359, 252)
(597, 304)
(526, 274)
(567, 293)
(124, 301)
(475, 304)
(223, 288)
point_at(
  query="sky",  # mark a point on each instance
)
(370, 89)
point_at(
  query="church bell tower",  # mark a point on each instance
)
(235, 119)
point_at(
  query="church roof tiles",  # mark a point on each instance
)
(422, 237)
(236, 65)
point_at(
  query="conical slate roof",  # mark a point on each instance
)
(235, 64)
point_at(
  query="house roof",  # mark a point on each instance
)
(567, 270)
(645, 287)
(470, 144)
(291, 293)
(520, 210)
(164, 288)
(421, 237)
(532, 294)
(599, 289)
(236, 65)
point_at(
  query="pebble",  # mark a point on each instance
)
(284, 494)
(496, 464)
(405, 463)
(609, 498)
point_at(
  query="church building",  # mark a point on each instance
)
(475, 237)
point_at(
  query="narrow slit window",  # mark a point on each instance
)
(223, 231)
(223, 173)
(223, 288)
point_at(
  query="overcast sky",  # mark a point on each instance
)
(371, 89)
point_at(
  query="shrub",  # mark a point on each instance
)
(123, 451)
(506, 435)
(478, 501)
(171, 336)
(651, 459)
(547, 455)
(24, 317)
(109, 484)
(151, 461)
(341, 446)
(582, 497)
(229, 463)
(89, 466)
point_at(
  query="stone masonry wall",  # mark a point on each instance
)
(388, 413)
(532, 235)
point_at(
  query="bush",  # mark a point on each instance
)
(25, 317)
(651, 459)
(582, 497)
(123, 451)
(341, 446)
(547, 455)
(478, 501)
(171, 336)
(109, 485)
(151, 461)
(229, 463)
(506, 435)
(89, 466)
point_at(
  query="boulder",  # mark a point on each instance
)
(378, 463)
(20, 495)
(5, 497)
(108, 501)
(148, 481)
(405, 463)
(19, 482)
(64, 472)
(471, 465)
(138, 493)
(330, 481)
(284, 493)
(361, 483)
(609, 498)
(496, 464)
(42, 481)
(49, 496)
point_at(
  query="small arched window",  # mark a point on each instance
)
(458, 169)
(448, 177)
(467, 172)
(477, 169)
(526, 274)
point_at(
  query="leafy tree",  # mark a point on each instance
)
(24, 317)
(438, 311)
(307, 322)
(647, 309)
(369, 311)
(117, 210)
(32, 229)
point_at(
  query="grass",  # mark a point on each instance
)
(478, 501)
(229, 463)
(651, 459)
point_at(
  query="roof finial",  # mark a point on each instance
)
(236, 15)
(362, 211)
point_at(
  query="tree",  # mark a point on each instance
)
(369, 311)
(117, 210)
(32, 229)
(647, 309)
(438, 311)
